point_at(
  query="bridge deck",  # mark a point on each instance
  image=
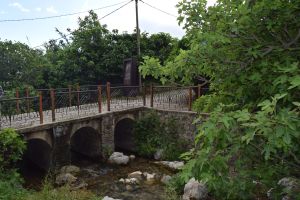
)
(170, 99)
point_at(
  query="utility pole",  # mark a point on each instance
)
(138, 38)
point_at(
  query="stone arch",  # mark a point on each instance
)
(87, 142)
(123, 136)
(38, 153)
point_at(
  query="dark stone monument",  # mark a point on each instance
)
(130, 72)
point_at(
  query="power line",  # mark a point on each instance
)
(57, 16)
(158, 9)
(98, 20)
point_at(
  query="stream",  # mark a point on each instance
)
(103, 179)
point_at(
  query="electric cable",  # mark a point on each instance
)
(58, 16)
(98, 20)
(158, 9)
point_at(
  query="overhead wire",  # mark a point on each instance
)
(58, 16)
(98, 20)
(158, 9)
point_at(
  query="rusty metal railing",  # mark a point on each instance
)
(50, 105)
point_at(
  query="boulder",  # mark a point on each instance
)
(158, 154)
(150, 178)
(137, 175)
(80, 186)
(118, 158)
(165, 179)
(195, 190)
(63, 179)
(90, 172)
(109, 198)
(291, 187)
(174, 165)
(132, 181)
(71, 169)
(132, 157)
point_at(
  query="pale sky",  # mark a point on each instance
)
(35, 33)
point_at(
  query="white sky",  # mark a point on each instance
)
(35, 33)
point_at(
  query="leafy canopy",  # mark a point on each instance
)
(249, 51)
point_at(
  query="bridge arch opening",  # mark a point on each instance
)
(123, 135)
(36, 161)
(85, 142)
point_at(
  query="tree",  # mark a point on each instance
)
(20, 65)
(250, 52)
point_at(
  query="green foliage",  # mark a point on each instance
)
(12, 147)
(151, 134)
(11, 186)
(250, 50)
(48, 192)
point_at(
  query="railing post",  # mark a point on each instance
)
(199, 91)
(52, 96)
(78, 97)
(151, 95)
(108, 95)
(144, 95)
(17, 102)
(99, 99)
(27, 100)
(70, 95)
(190, 98)
(41, 108)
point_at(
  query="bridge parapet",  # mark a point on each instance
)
(56, 105)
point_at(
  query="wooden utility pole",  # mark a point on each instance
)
(138, 38)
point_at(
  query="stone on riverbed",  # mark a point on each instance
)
(165, 179)
(109, 198)
(66, 178)
(150, 178)
(118, 158)
(195, 190)
(174, 165)
(132, 157)
(137, 175)
(71, 169)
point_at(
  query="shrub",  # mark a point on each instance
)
(12, 147)
(152, 134)
(48, 192)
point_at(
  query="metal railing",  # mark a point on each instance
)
(50, 105)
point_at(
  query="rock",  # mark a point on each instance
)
(289, 183)
(80, 186)
(150, 178)
(132, 157)
(122, 180)
(158, 154)
(194, 190)
(118, 158)
(129, 188)
(174, 165)
(165, 179)
(66, 178)
(91, 173)
(291, 187)
(132, 181)
(137, 175)
(71, 169)
(109, 198)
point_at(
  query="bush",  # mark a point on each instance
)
(48, 192)
(152, 134)
(12, 147)
(11, 186)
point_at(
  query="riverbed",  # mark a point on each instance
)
(103, 179)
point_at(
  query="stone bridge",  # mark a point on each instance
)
(51, 145)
